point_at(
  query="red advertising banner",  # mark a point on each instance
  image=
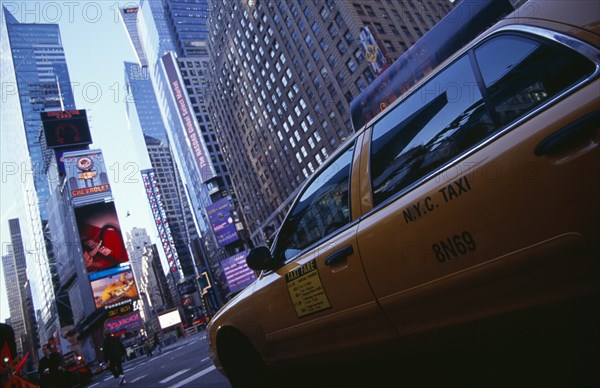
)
(101, 238)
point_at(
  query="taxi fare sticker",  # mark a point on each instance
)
(306, 289)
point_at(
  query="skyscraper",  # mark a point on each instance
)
(19, 294)
(188, 23)
(171, 29)
(284, 73)
(33, 63)
(174, 200)
(143, 111)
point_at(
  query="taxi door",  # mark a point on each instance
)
(320, 300)
(480, 205)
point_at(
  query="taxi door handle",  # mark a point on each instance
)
(339, 255)
(571, 134)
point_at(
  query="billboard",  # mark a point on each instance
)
(113, 287)
(372, 51)
(87, 177)
(66, 128)
(186, 115)
(169, 319)
(125, 323)
(237, 272)
(219, 216)
(100, 234)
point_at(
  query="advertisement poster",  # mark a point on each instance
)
(237, 272)
(113, 286)
(86, 176)
(66, 128)
(219, 216)
(126, 323)
(101, 238)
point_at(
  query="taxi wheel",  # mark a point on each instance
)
(242, 363)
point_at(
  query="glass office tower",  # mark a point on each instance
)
(34, 71)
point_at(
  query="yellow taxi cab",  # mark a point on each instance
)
(474, 196)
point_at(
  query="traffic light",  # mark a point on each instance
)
(204, 282)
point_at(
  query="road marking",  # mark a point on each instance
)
(136, 379)
(93, 385)
(204, 359)
(108, 378)
(172, 377)
(194, 377)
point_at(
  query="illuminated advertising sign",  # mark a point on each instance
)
(187, 287)
(119, 310)
(169, 319)
(113, 287)
(87, 177)
(192, 132)
(160, 220)
(101, 238)
(66, 128)
(237, 272)
(219, 216)
(126, 323)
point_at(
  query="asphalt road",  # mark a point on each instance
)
(182, 364)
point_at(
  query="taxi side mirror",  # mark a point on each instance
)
(260, 259)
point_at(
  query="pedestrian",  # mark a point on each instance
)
(157, 343)
(50, 368)
(113, 355)
(148, 347)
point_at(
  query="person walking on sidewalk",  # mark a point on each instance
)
(113, 355)
(157, 343)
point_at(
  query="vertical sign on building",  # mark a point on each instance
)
(160, 220)
(192, 132)
(87, 178)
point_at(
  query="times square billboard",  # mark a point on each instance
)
(87, 177)
(237, 272)
(113, 287)
(66, 128)
(221, 221)
(101, 238)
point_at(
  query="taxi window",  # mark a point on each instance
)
(323, 208)
(447, 116)
(520, 73)
(430, 127)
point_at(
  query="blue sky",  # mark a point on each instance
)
(96, 46)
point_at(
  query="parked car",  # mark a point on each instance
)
(468, 207)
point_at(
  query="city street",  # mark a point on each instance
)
(182, 364)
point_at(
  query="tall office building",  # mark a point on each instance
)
(170, 30)
(33, 64)
(20, 300)
(284, 73)
(144, 113)
(175, 203)
(13, 294)
(129, 17)
(188, 22)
